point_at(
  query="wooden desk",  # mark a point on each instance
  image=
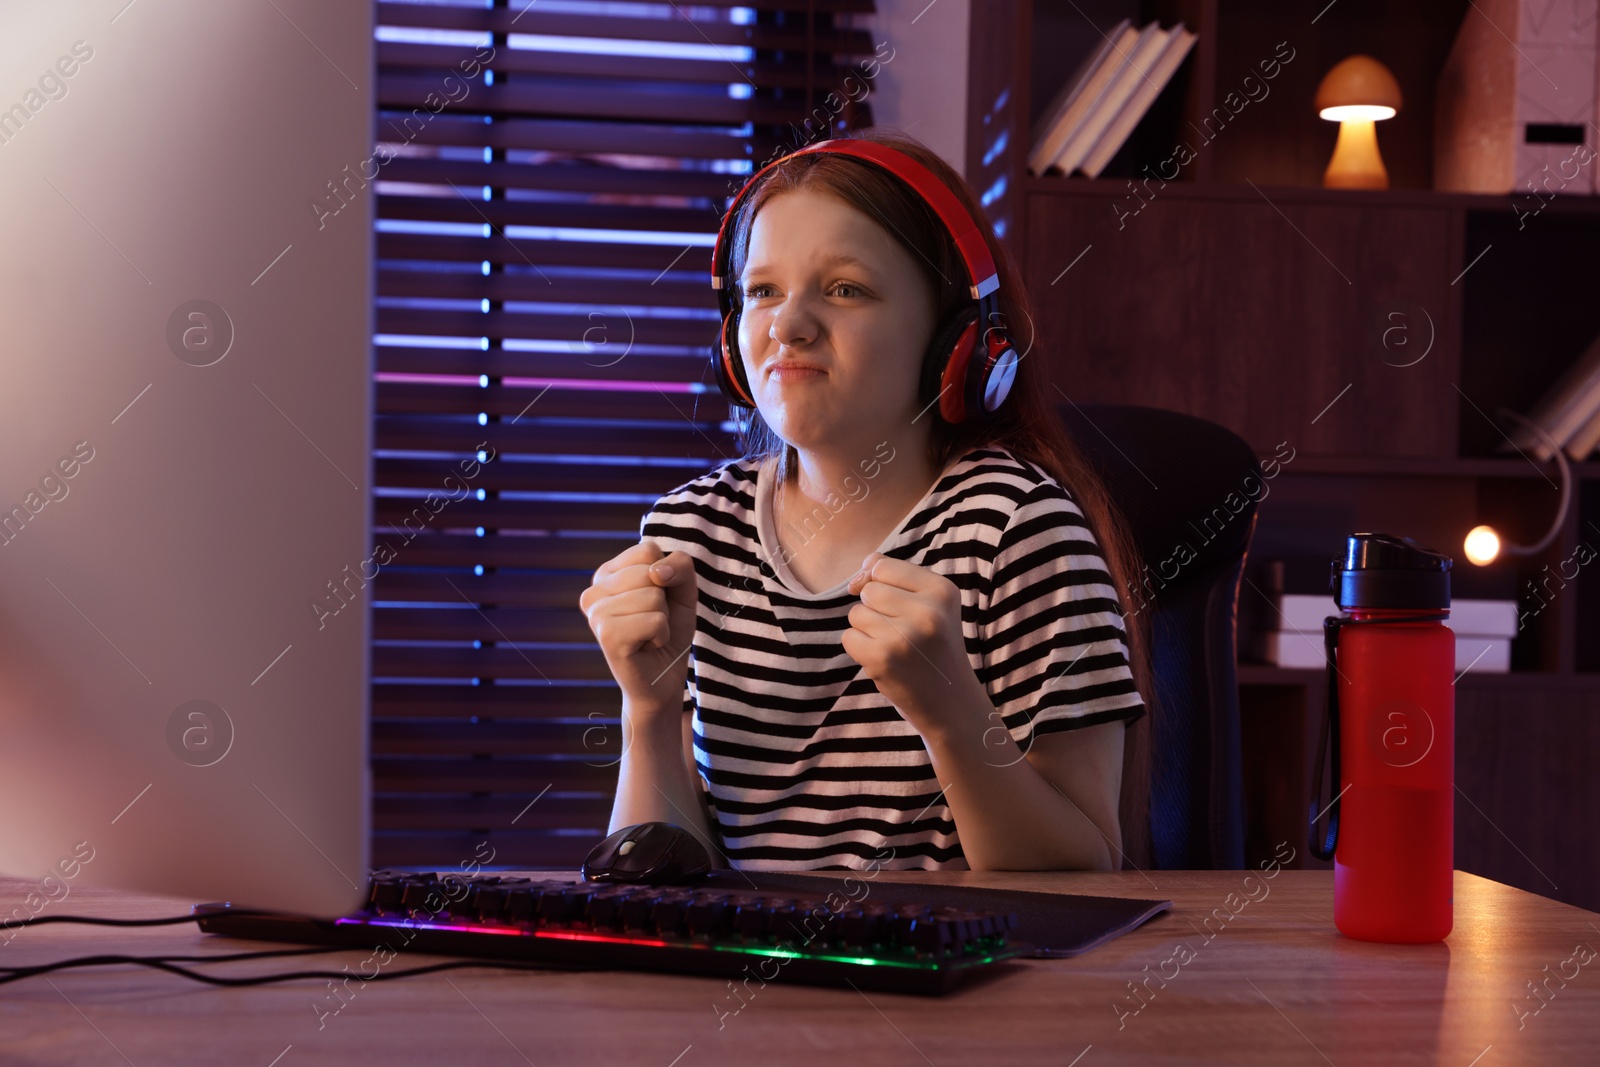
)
(1275, 984)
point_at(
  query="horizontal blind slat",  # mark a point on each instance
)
(558, 135)
(434, 549)
(563, 849)
(539, 287)
(685, 442)
(530, 475)
(390, 700)
(535, 95)
(455, 208)
(704, 410)
(619, 255)
(532, 812)
(519, 738)
(544, 326)
(529, 20)
(549, 625)
(541, 664)
(583, 175)
(517, 514)
(500, 513)
(395, 774)
(447, 60)
(600, 358)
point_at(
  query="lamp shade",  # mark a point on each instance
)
(1358, 88)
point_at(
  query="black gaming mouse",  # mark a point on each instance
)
(647, 853)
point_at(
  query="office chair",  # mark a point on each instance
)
(1172, 475)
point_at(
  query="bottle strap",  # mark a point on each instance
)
(1331, 625)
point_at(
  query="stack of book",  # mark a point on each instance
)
(1483, 630)
(1106, 96)
(1569, 413)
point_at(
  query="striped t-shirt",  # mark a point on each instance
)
(806, 764)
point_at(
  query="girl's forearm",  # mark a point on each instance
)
(654, 783)
(1010, 817)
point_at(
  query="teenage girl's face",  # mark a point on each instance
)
(827, 286)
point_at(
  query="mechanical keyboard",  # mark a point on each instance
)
(895, 947)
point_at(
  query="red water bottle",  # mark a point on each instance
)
(1391, 713)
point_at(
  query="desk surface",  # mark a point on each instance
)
(1275, 984)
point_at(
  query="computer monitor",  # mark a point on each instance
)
(185, 450)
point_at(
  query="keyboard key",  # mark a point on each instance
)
(672, 908)
(520, 902)
(563, 905)
(605, 907)
(903, 921)
(385, 895)
(487, 902)
(863, 927)
(810, 920)
(752, 918)
(709, 917)
(637, 909)
(421, 896)
(930, 936)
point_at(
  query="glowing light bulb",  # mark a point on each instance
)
(1482, 545)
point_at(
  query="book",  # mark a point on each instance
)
(1058, 121)
(1179, 41)
(1133, 68)
(1079, 94)
(1565, 409)
(1585, 441)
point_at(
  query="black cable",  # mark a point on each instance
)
(94, 921)
(221, 957)
(165, 963)
(160, 963)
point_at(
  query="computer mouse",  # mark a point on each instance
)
(647, 853)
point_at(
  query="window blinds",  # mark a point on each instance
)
(548, 180)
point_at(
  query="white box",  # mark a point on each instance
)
(1514, 63)
(1303, 649)
(1484, 618)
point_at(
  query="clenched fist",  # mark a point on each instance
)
(644, 620)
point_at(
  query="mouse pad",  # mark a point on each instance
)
(1056, 924)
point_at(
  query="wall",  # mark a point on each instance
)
(922, 90)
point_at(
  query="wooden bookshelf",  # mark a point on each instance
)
(1241, 291)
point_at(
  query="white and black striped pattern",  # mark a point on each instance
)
(807, 765)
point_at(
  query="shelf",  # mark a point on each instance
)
(1259, 318)
(1112, 188)
(1424, 467)
(1265, 674)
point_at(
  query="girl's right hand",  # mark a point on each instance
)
(644, 623)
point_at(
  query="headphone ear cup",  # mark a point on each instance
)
(997, 380)
(729, 363)
(944, 369)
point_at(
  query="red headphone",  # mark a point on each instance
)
(967, 387)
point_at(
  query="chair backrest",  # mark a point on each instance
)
(1188, 489)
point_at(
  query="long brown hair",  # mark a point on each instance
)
(1027, 424)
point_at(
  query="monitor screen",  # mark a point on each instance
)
(185, 450)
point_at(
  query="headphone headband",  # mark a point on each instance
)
(969, 241)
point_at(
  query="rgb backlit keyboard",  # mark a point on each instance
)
(899, 947)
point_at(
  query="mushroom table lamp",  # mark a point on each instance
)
(1357, 93)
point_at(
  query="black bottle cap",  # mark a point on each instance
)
(1380, 571)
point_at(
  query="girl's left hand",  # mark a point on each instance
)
(906, 634)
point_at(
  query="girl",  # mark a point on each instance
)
(878, 639)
